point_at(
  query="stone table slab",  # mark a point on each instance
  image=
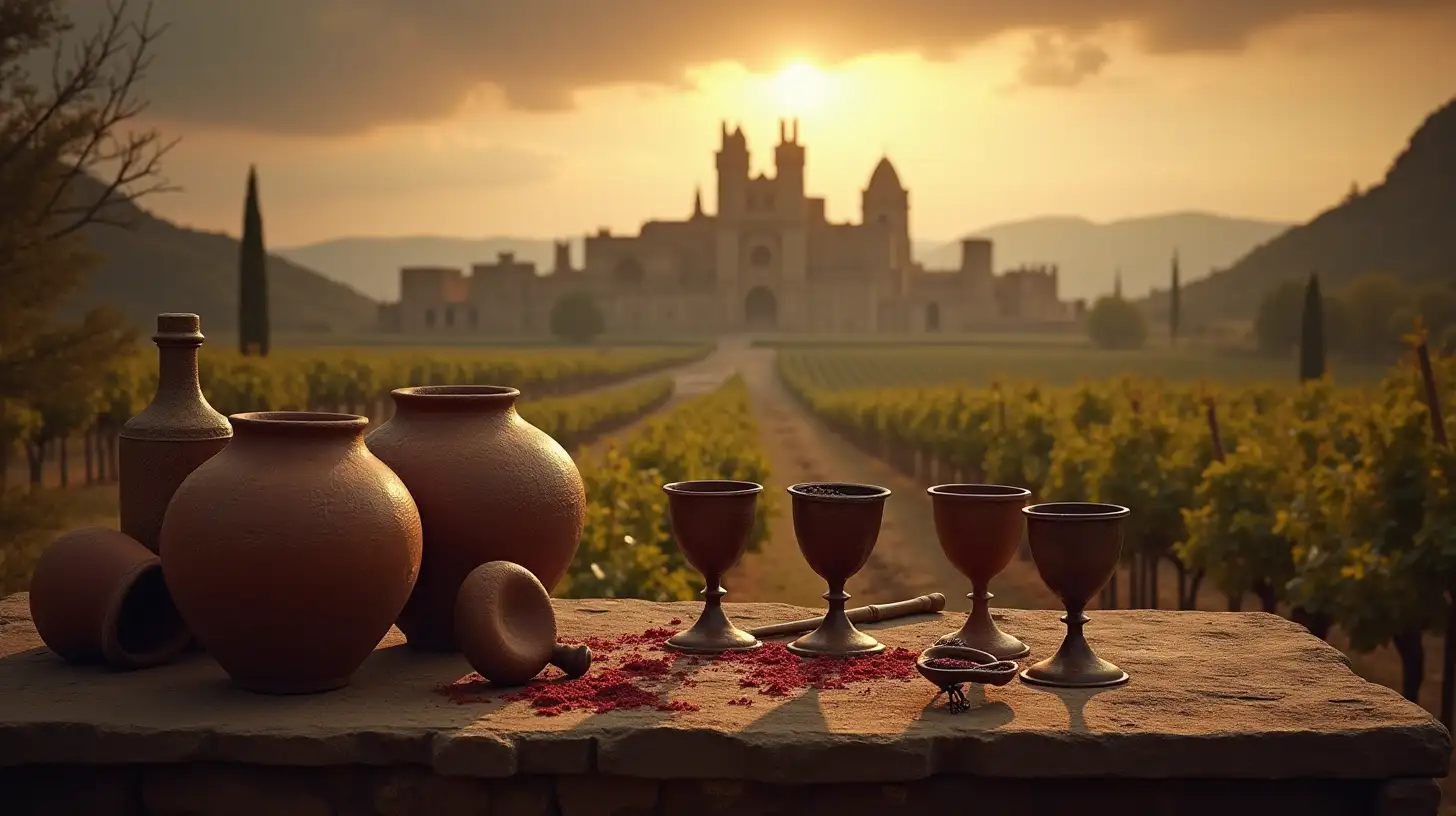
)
(1212, 696)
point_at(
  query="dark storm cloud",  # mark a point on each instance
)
(340, 66)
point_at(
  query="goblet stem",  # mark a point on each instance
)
(981, 632)
(1075, 665)
(837, 635)
(713, 632)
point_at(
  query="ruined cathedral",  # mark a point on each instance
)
(767, 260)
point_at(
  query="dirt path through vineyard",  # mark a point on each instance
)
(691, 380)
(907, 560)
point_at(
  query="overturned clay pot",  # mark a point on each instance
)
(97, 596)
(506, 627)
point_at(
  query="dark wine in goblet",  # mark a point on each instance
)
(837, 524)
(712, 520)
(1076, 546)
(980, 527)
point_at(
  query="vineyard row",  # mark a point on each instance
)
(1337, 505)
(350, 381)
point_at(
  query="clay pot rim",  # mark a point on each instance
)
(475, 396)
(971, 491)
(111, 647)
(712, 487)
(309, 422)
(860, 493)
(1076, 511)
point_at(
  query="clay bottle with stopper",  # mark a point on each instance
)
(172, 436)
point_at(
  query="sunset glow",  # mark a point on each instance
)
(801, 87)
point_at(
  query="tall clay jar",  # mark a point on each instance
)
(490, 487)
(291, 553)
(174, 434)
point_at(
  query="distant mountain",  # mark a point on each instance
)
(155, 266)
(372, 265)
(1405, 226)
(1089, 254)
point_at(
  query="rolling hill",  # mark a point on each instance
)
(1087, 252)
(155, 266)
(1405, 226)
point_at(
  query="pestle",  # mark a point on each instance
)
(506, 627)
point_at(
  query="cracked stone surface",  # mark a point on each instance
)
(1212, 696)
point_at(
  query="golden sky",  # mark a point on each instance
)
(555, 117)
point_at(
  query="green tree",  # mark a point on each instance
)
(1312, 332)
(575, 318)
(1115, 323)
(252, 276)
(1174, 302)
(1379, 307)
(1276, 330)
(71, 160)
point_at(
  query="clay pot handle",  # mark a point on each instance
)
(574, 660)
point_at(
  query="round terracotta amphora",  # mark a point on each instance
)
(97, 596)
(490, 486)
(291, 552)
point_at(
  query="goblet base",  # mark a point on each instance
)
(836, 641)
(1074, 665)
(998, 644)
(1101, 676)
(981, 632)
(715, 641)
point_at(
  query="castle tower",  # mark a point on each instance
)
(562, 264)
(885, 201)
(789, 172)
(732, 174)
(732, 161)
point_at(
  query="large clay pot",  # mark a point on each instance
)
(291, 552)
(97, 596)
(172, 436)
(490, 487)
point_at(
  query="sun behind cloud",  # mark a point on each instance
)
(801, 87)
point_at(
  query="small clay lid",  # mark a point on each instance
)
(178, 327)
(504, 623)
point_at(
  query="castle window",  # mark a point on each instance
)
(760, 256)
(430, 318)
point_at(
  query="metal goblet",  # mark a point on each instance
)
(980, 527)
(712, 520)
(1076, 546)
(837, 525)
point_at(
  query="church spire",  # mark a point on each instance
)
(698, 202)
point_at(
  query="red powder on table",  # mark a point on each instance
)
(626, 674)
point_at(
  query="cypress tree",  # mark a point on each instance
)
(1312, 332)
(1174, 302)
(252, 276)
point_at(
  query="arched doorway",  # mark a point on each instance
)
(932, 317)
(760, 308)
